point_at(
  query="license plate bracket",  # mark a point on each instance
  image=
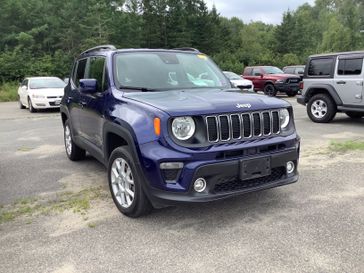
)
(255, 168)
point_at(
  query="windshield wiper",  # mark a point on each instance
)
(143, 89)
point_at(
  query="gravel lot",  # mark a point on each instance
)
(315, 225)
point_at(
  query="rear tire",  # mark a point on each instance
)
(74, 152)
(126, 184)
(321, 108)
(270, 90)
(355, 115)
(30, 106)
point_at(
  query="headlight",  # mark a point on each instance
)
(183, 128)
(35, 96)
(280, 81)
(284, 118)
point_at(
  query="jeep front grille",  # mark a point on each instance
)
(223, 128)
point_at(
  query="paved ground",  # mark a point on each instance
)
(315, 225)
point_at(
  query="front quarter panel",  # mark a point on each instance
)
(138, 117)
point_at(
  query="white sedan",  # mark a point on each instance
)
(41, 93)
(239, 82)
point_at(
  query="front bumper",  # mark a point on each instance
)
(222, 177)
(301, 100)
(45, 103)
(287, 87)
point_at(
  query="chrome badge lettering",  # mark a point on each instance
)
(246, 105)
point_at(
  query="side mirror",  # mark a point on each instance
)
(300, 72)
(24, 87)
(258, 74)
(88, 86)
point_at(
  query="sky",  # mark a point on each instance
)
(268, 11)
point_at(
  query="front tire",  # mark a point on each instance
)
(270, 90)
(74, 152)
(21, 106)
(126, 184)
(30, 106)
(355, 115)
(321, 108)
(291, 93)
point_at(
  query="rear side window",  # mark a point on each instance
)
(289, 70)
(321, 67)
(80, 71)
(350, 66)
(96, 71)
(300, 70)
(248, 71)
(256, 72)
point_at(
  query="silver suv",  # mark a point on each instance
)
(333, 83)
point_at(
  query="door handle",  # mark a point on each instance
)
(341, 82)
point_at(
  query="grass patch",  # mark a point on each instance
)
(9, 91)
(79, 202)
(346, 146)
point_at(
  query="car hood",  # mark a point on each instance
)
(48, 92)
(281, 76)
(206, 101)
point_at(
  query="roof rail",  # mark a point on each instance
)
(100, 47)
(187, 49)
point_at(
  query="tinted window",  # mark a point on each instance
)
(80, 72)
(350, 66)
(256, 71)
(300, 70)
(24, 83)
(289, 70)
(272, 70)
(96, 71)
(248, 71)
(320, 67)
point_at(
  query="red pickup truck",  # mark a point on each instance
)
(271, 80)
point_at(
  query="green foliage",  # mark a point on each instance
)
(346, 146)
(8, 91)
(43, 37)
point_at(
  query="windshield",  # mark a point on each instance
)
(167, 71)
(232, 75)
(272, 70)
(46, 83)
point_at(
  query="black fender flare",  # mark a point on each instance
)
(329, 88)
(125, 131)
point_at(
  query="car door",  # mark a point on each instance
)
(349, 78)
(22, 92)
(92, 117)
(256, 78)
(73, 95)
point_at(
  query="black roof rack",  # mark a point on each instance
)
(187, 49)
(96, 48)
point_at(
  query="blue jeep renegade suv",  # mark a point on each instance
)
(170, 128)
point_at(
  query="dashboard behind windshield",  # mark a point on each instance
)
(167, 71)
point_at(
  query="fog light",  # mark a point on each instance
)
(290, 167)
(199, 185)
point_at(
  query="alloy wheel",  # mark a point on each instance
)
(68, 139)
(122, 182)
(319, 109)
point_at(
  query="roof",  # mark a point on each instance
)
(108, 48)
(338, 53)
